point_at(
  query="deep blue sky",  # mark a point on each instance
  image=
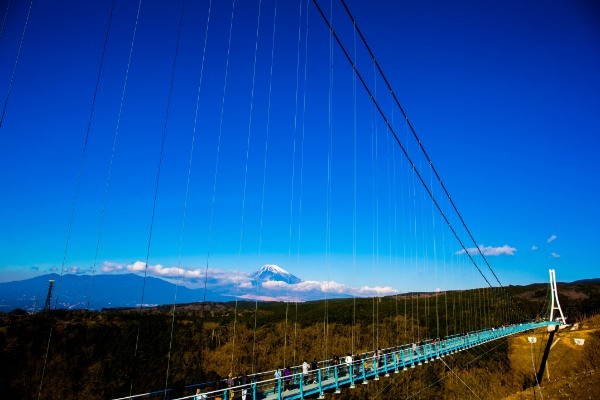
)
(505, 96)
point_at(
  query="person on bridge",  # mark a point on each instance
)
(230, 384)
(305, 368)
(277, 376)
(243, 381)
(314, 366)
(349, 363)
(375, 359)
(357, 363)
(287, 378)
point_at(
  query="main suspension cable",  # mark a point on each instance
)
(392, 131)
(4, 19)
(413, 131)
(12, 76)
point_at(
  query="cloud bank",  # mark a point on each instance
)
(226, 278)
(489, 250)
(214, 277)
(551, 239)
(329, 287)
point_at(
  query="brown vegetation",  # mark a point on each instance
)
(99, 355)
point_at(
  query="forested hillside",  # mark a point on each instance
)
(93, 354)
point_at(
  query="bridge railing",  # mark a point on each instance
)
(332, 376)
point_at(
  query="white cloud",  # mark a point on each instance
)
(490, 251)
(534, 248)
(110, 267)
(554, 255)
(438, 290)
(330, 287)
(272, 298)
(74, 270)
(214, 277)
(138, 266)
(551, 239)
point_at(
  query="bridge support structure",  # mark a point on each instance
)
(552, 329)
(555, 305)
(48, 296)
(540, 373)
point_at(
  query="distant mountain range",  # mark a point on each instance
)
(118, 290)
(269, 283)
(125, 290)
(584, 281)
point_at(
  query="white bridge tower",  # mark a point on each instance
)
(555, 303)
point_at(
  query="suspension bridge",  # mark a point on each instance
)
(333, 375)
(317, 156)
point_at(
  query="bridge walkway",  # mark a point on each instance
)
(332, 377)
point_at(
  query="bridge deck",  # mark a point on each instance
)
(331, 377)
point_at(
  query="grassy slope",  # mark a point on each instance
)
(572, 370)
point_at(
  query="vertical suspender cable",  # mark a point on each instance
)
(416, 254)
(395, 244)
(373, 217)
(295, 132)
(354, 198)
(214, 191)
(160, 158)
(194, 138)
(328, 194)
(156, 187)
(137, 17)
(390, 236)
(376, 183)
(445, 289)
(182, 220)
(424, 242)
(302, 145)
(249, 136)
(83, 156)
(263, 188)
(436, 293)
(192, 147)
(404, 236)
(265, 165)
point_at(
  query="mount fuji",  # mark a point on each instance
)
(274, 273)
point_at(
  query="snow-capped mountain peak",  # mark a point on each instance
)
(272, 272)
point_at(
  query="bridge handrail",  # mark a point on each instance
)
(393, 357)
